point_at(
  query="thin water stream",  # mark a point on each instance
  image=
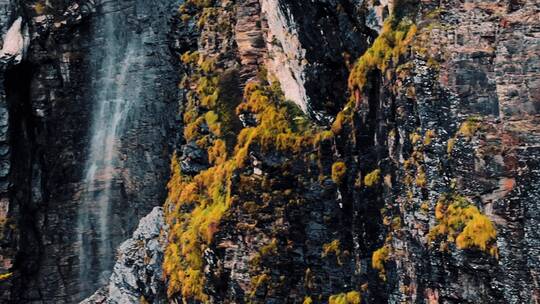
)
(115, 91)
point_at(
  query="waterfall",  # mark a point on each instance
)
(115, 90)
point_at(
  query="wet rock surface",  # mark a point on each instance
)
(137, 274)
(48, 98)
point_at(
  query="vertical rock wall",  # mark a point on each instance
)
(8, 210)
(50, 102)
(441, 113)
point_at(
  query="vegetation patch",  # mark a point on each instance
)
(379, 258)
(351, 297)
(190, 8)
(469, 127)
(5, 276)
(372, 178)
(331, 248)
(307, 300)
(40, 8)
(385, 52)
(339, 169)
(197, 204)
(269, 249)
(460, 222)
(392, 42)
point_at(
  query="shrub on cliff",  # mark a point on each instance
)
(461, 222)
(339, 169)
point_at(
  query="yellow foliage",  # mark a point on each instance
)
(337, 125)
(478, 232)
(391, 43)
(191, 131)
(212, 122)
(461, 222)
(210, 101)
(192, 8)
(307, 300)
(271, 248)
(5, 276)
(430, 134)
(190, 58)
(469, 127)
(217, 154)
(372, 178)
(323, 136)
(275, 128)
(258, 281)
(421, 180)
(40, 8)
(192, 232)
(207, 89)
(379, 257)
(450, 145)
(196, 205)
(415, 137)
(332, 247)
(208, 65)
(351, 297)
(339, 169)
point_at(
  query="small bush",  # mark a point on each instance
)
(307, 300)
(391, 43)
(421, 180)
(428, 137)
(379, 257)
(331, 248)
(352, 297)
(40, 8)
(469, 127)
(5, 276)
(461, 222)
(372, 178)
(339, 169)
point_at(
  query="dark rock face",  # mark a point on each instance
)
(493, 168)
(333, 34)
(317, 42)
(49, 99)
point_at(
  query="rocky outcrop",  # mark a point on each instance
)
(421, 190)
(137, 274)
(15, 43)
(310, 46)
(286, 234)
(8, 210)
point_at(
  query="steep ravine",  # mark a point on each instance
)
(335, 151)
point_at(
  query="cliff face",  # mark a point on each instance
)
(326, 152)
(422, 191)
(50, 102)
